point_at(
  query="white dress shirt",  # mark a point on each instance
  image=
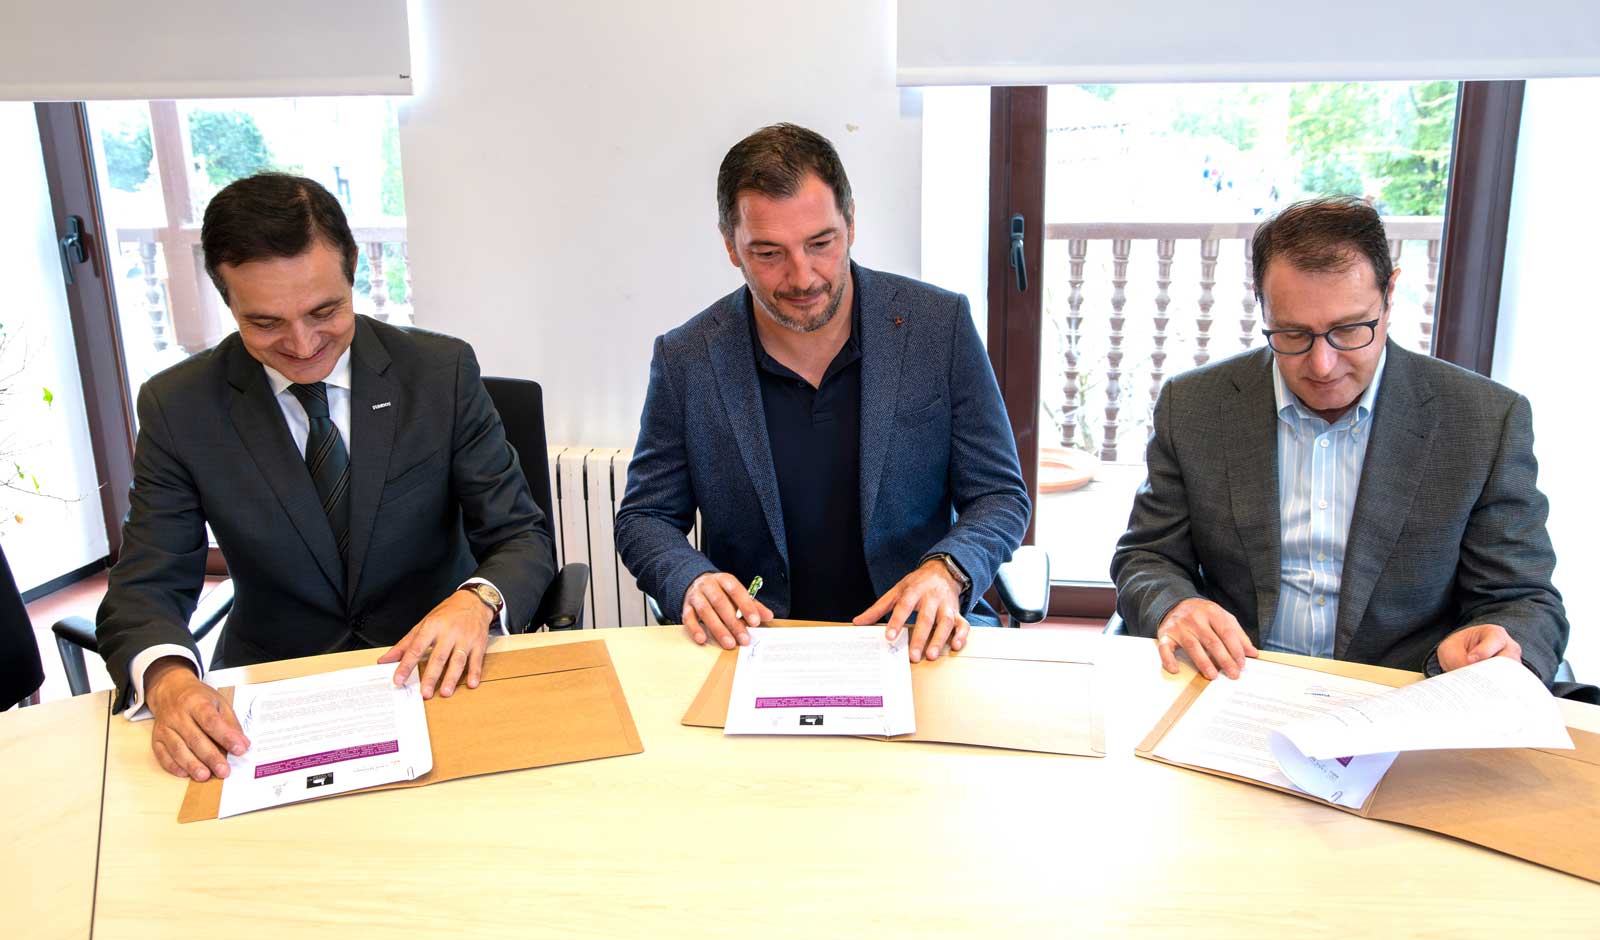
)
(294, 413)
(1319, 473)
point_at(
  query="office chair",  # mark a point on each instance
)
(1563, 685)
(521, 406)
(75, 634)
(1023, 584)
(21, 670)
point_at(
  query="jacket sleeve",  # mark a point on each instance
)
(503, 525)
(658, 506)
(1154, 565)
(986, 486)
(157, 579)
(1507, 561)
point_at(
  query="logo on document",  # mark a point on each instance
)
(319, 780)
(810, 720)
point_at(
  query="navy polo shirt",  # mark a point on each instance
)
(816, 450)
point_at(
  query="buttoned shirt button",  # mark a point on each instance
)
(1322, 504)
(1322, 556)
(1323, 442)
(1321, 600)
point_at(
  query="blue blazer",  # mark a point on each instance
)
(939, 469)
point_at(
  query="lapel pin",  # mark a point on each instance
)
(899, 320)
(380, 405)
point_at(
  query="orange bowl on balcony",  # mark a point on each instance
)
(1062, 469)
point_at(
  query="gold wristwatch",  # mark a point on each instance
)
(490, 597)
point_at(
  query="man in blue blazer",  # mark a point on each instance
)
(838, 429)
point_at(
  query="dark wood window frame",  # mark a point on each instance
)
(1482, 164)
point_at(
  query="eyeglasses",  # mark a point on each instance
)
(1346, 338)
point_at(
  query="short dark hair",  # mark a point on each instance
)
(1323, 235)
(272, 215)
(774, 161)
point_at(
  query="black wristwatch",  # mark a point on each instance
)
(954, 568)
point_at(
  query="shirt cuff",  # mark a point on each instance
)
(503, 605)
(136, 710)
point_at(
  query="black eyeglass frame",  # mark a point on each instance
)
(1327, 337)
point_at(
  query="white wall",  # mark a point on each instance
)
(50, 442)
(1545, 346)
(560, 165)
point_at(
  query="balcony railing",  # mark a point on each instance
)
(1133, 303)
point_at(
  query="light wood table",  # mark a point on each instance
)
(707, 836)
(52, 768)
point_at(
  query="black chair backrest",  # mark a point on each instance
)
(21, 670)
(521, 406)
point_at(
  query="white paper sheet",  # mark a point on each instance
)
(822, 680)
(1335, 738)
(325, 734)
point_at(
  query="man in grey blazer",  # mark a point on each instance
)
(838, 429)
(355, 475)
(1336, 495)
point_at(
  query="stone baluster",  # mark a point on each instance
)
(1429, 297)
(1120, 249)
(154, 299)
(1072, 388)
(1208, 279)
(377, 284)
(1165, 249)
(1247, 320)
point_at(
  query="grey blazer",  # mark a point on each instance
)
(1448, 529)
(437, 496)
(939, 469)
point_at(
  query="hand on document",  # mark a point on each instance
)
(714, 604)
(1211, 636)
(1475, 644)
(193, 725)
(934, 596)
(458, 632)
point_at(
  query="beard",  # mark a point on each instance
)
(771, 307)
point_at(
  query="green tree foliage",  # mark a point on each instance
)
(230, 143)
(1389, 143)
(128, 155)
(393, 194)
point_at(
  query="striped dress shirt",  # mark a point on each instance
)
(1319, 471)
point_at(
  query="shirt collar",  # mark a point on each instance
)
(338, 378)
(1290, 406)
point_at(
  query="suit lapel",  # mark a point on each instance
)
(1250, 419)
(371, 440)
(258, 420)
(1397, 455)
(734, 359)
(883, 344)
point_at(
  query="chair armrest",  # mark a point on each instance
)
(1024, 584)
(1115, 625)
(561, 608)
(211, 610)
(73, 636)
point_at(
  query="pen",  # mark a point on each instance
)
(755, 585)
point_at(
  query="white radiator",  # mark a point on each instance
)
(586, 487)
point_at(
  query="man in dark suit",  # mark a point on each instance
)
(1334, 494)
(355, 475)
(839, 430)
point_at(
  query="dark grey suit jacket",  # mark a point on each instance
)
(939, 470)
(434, 486)
(1448, 529)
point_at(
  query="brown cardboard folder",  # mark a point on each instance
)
(1536, 804)
(500, 725)
(1001, 691)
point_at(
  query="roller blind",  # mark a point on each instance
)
(51, 50)
(1043, 42)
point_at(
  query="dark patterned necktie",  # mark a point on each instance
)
(328, 462)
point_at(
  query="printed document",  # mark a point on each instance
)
(822, 680)
(325, 734)
(1335, 738)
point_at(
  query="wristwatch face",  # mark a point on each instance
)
(489, 595)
